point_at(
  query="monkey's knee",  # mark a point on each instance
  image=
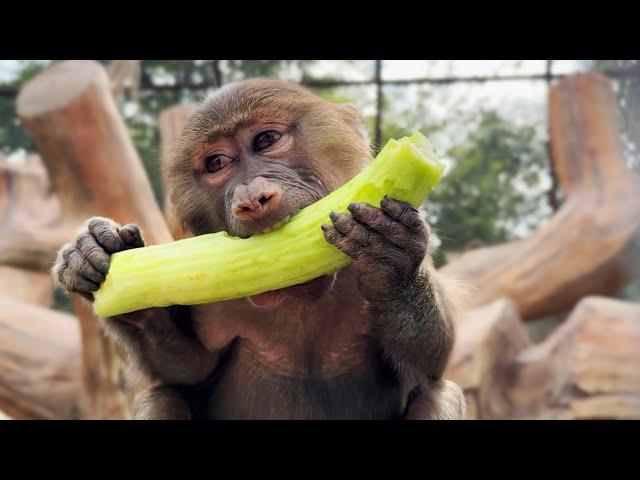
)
(439, 400)
(161, 403)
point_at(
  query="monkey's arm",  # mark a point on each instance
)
(409, 309)
(415, 327)
(162, 345)
(159, 341)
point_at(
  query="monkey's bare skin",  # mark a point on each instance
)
(369, 342)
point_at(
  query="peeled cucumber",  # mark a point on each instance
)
(215, 267)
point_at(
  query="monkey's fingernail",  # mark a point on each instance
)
(333, 216)
(384, 202)
(324, 227)
(351, 206)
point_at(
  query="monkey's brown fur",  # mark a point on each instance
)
(370, 342)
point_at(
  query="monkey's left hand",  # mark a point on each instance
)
(387, 245)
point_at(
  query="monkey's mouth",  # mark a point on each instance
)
(311, 290)
(278, 224)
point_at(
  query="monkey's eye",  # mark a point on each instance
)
(214, 163)
(265, 139)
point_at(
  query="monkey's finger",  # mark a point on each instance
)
(339, 240)
(73, 282)
(405, 214)
(350, 228)
(77, 262)
(93, 252)
(131, 236)
(345, 243)
(392, 230)
(331, 235)
(106, 234)
(385, 225)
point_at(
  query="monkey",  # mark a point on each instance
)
(370, 341)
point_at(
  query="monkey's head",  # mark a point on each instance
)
(259, 150)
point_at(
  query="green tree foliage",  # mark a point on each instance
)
(493, 184)
(13, 136)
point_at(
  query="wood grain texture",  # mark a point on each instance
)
(31, 226)
(487, 341)
(171, 122)
(591, 245)
(29, 218)
(94, 170)
(39, 362)
(588, 368)
(26, 285)
(92, 163)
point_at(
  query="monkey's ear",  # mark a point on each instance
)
(352, 116)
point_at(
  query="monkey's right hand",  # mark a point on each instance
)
(82, 265)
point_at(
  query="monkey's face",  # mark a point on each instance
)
(259, 151)
(258, 176)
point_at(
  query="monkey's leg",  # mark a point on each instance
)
(438, 400)
(160, 403)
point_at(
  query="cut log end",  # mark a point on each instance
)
(589, 367)
(58, 85)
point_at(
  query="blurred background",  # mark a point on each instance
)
(537, 214)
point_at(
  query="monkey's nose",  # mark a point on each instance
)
(255, 207)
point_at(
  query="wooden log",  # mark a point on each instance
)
(171, 122)
(588, 368)
(31, 227)
(591, 245)
(93, 165)
(26, 212)
(488, 340)
(39, 362)
(94, 170)
(26, 285)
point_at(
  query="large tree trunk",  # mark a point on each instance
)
(589, 367)
(27, 241)
(591, 244)
(26, 285)
(94, 170)
(487, 341)
(171, 123)
(93, 165)
(30, 222)
(39, 362)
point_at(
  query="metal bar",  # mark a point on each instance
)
(378, 124)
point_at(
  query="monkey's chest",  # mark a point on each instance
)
(303, 360)
(352, 384)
